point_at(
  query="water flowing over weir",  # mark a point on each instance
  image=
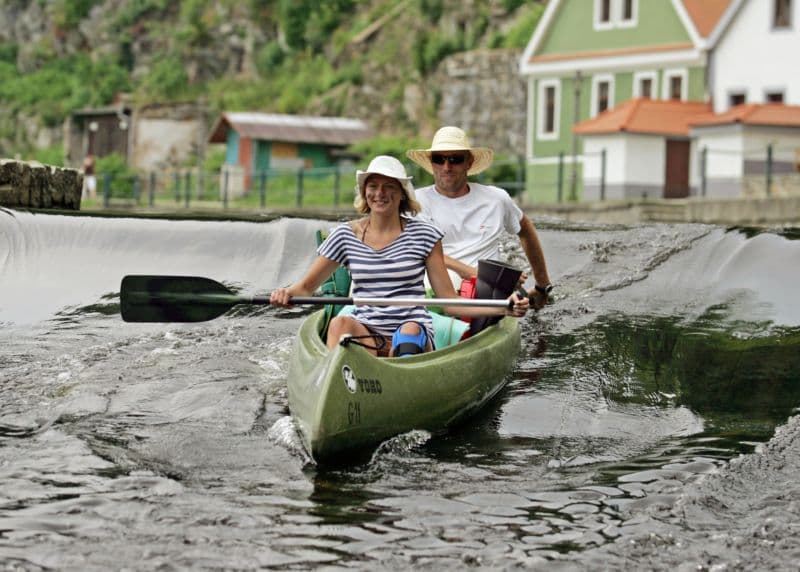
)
(669, 352)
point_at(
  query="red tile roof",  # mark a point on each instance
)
(649, 116)
(777, 114)
(705, 14)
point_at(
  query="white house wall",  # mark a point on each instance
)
(753, 58)
(736, 160)
(634, 166)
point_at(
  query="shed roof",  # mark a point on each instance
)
(647, 116)
(290, 128)
(770, 114)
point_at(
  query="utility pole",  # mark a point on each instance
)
(576, 116)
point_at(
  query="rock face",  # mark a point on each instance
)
(483, 93)
(39, 186)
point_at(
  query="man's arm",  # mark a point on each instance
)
(465, 271)
(529, 240)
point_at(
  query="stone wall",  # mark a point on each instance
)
(483, 93)
(35, 185)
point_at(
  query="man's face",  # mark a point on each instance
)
(450, 171)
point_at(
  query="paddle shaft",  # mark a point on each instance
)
(233, 299)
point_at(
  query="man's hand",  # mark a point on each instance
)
(538, 299)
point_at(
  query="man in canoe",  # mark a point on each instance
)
(387, 252)
(472, 216)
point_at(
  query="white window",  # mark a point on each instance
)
(773, 96)
(645, 84)
(737, 98)
(602, 93)
(609, 14)
(628, 12)
(602, 15)
(548, 109)
(781, 14)
(675, 85)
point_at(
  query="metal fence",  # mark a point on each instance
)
(758, 171)
(233, 187)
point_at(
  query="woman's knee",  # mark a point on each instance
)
(409, 339)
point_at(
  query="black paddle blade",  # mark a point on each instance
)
(173, 299)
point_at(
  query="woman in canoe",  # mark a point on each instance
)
(387, 254)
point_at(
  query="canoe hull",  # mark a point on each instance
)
(347, 401)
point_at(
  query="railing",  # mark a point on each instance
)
(233, 187)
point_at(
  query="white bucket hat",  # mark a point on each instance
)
(390, 167)
(452, 139)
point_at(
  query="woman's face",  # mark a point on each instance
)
(383, 194)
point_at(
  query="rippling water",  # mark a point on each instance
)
(669, 351)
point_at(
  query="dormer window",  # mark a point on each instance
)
(627, 15)
(609, 14)
(782, 14)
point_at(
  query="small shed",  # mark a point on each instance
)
(260, 142)
(640, 149)
(99, 131)
(748, 148)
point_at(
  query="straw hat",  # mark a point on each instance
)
(452, 139)
(389, 167)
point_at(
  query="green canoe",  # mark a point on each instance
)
(346, 401)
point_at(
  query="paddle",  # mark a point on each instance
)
(196, 299)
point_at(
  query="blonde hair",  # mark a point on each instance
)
(408, 205)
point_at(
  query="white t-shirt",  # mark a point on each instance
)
(472, 224)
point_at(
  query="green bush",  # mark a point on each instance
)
(8, 52)
(50, 156)
(167, 79)
(113, 170)
(519, 35)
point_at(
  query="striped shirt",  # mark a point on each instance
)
(397, 270)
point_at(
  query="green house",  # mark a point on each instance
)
(589, 56)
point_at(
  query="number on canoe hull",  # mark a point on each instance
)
(354, 413)
(355, 384)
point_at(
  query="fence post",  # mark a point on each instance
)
(300, 187)
(225, 188)
(262, 188)
(176, 179)
(769, 169)
(560, 194)
(187, 188)
(106, 189)
(703, 173)
(136, 189)
(151, 194)
(201, 184)
(336, 177)
(603, 174)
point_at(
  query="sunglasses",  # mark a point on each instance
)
(452, 159)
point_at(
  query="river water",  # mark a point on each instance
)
(648, 422)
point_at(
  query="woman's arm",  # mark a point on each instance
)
(443, 287)
(320, 269)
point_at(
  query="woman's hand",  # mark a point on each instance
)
(281, 297)
(520, 307)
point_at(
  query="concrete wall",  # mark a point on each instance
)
(39, 186)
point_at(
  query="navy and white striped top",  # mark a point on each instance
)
(396, 270)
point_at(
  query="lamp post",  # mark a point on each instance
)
(93, 127)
